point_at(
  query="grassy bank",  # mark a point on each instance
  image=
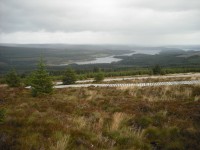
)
(164, 117)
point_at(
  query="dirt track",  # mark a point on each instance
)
(131, 84)
(142, 84)
(141, 77)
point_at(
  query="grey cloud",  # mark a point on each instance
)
(121, 18)
(165, 5)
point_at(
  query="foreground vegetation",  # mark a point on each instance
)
(165, 117)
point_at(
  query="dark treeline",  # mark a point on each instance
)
(90, 72)
(170, 61)
(24, 59)
(84, 74)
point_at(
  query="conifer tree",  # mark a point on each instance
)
(157, 70)
(12, 79)
(99, 77)
(40, 80)
(69, 77)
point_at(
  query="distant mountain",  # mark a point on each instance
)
(71, 46)
(24, 57)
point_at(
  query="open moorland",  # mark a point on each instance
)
(142, 118)
(99, 75)
(162, 117)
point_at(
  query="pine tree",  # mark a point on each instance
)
(96, 69)
(99, 77)
(40, 80)
(69, 77)
(12, 79)
(157, 69)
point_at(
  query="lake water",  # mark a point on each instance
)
(101, 60)
(110, 59)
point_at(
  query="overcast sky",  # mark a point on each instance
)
(143, 22)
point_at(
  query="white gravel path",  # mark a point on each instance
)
(141, 77)
(130, 84)
(59, 84)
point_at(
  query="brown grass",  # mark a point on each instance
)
(118, 117)
(61, 144)
(102, 118)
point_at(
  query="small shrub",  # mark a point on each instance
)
(163, 72)
(157, 70)
(69, 77)
(2, 80)
(12, 79)
(144, 121)
(99, 77)
(150, 72)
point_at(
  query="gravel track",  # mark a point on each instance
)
(130, 84)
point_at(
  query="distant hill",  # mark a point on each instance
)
(24, 57)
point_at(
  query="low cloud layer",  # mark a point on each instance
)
(100, 21)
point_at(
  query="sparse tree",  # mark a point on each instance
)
(69, 77)
(12, 79)
(99, 77)
(40, 80)
(157, 70)
(150, 72)
(96, 69)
